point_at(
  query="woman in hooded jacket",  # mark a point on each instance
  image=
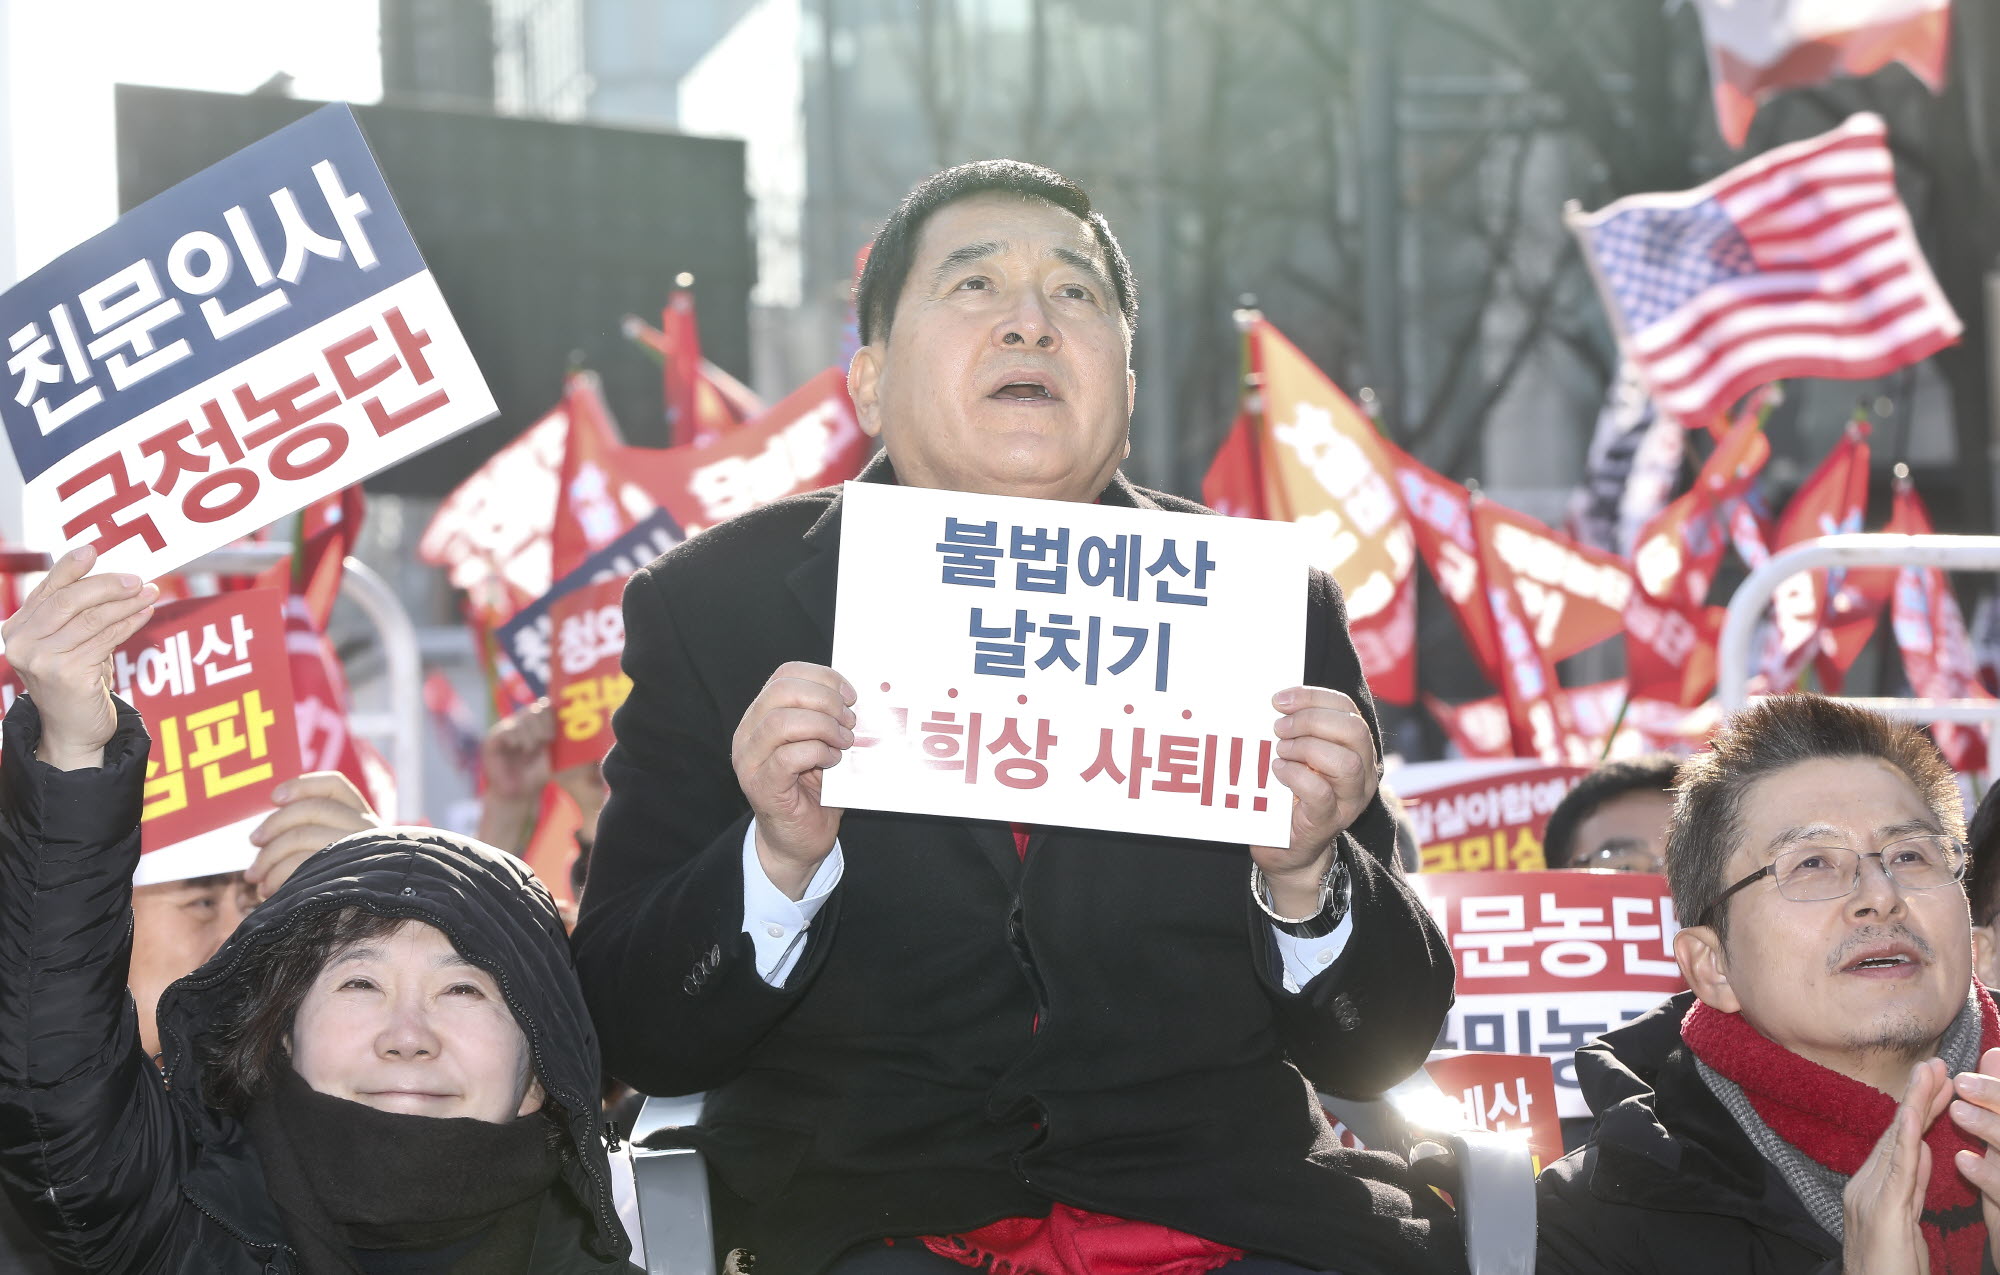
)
(388, 1068)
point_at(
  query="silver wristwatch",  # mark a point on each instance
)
(1335, 890)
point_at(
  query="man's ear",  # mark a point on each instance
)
(864, 386)
(1986, 955)
(1705, 966)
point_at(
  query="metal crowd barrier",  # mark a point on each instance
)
(1746, 608)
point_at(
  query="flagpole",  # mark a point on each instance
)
(1250, 401)
(1616, 723)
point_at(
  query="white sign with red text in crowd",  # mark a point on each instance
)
(1479, 815)
(1549, 961)
(257, 337)
(211, 678)
(1050, 662)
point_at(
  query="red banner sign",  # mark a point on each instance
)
(1505, 1093)
(585, 682)
(210, 676)
(808, 439)
(1549, 961)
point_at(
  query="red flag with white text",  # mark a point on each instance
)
(680, 368)
(1538, 719)
(809, 439)
(1831, 500)
(492, 533)
(1857, 603)
(1324, 468)
(593, 506)
(1930, 631)
(1670, 649)
(1572, 596)
(1440, 514)
(1643, 724)
(1676, 554)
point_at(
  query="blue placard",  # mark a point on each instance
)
(285, 233)
(526, 638)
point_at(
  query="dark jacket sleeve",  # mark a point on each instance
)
(670, 976)
(1568, 1239)
(1576, 1233)
(1371, 1018)
(91, 1150)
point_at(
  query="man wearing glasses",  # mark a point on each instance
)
(1615, 819)
(1789, 1113)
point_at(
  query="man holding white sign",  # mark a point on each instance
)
(1033, 1045)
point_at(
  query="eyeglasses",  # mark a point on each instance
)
(1621, 856)
(1814, 874)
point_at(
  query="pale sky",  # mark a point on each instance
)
(63, 56)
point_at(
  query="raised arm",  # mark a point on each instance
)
(85, 1123)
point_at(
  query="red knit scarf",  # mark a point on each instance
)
(1836, 1121)
(1070, 1241)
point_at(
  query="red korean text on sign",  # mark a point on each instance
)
(215, 463)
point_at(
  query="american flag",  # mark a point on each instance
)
(1799, 263)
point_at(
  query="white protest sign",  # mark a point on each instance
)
(1046, 662)
(230, 351)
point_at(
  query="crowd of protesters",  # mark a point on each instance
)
(933, 1044)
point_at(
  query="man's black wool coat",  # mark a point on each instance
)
(898, 1084)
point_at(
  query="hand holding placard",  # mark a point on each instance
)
(1326, 756)
(60, 643)
(1074, 665)
(800, 724)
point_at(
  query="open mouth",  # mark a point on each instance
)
(1881, 963)
(1884, 959)
(1022, 389)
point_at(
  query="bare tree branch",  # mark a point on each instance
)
(1458, 446)
(1501, 247)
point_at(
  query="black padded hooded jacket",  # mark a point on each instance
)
(122, 1166)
